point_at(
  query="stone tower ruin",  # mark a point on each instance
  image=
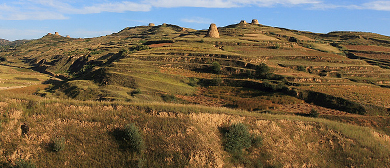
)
(243, 22)
(151, 24)
(213, 31)
(57, 34)
(255, 22)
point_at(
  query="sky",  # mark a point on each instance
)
(32, 19)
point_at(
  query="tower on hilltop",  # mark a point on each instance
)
(213, 31)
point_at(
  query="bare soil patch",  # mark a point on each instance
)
(160, 45)
(367, 48)
(260, 37)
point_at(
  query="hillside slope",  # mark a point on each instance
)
(177, 135)
(303, 99)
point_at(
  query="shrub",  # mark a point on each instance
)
(257, 141)
(193, 81)
(292, 39)
(216, 81)
(20, 163)
(313, 113)
(96, 51)
(169, 98)
(123, 52)
(2, 59)
(262, 70)
(134, 138)
(139, 48)
(323, 73)
(216, 67)
(136, 91)
(301, 68)
(276, 46)
(58, 144)
(237, 138)
(249, 73)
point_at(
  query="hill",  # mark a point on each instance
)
(295, 98)
(4, 42)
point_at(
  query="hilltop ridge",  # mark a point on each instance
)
(4, 42)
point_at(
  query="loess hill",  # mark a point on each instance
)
(303, 99)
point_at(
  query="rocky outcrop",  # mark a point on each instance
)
(255, 22)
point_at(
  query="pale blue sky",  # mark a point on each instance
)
(32, 19)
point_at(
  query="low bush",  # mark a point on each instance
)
(262, 71)
(134, 138)
(276, 46)
(139, 48)
(216, 81)
(237, 138)
(193, 81)
(20, 163)
(2, 59)
(135, 91)
(169, 98)
(313, 113)
(58, 144)
(301, 68)
(257, 141)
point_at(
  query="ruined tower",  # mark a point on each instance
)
(213, 31)
(243, 22)
(151, 24)
(255, 22)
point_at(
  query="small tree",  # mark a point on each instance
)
(216, 67)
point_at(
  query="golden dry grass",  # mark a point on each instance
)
(180, 135)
